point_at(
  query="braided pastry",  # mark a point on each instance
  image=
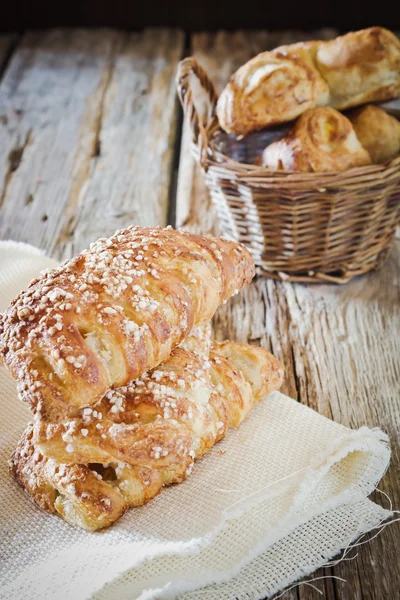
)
(114, 312)
(278, 86)
(144, 435)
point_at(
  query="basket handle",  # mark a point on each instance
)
(202, 128)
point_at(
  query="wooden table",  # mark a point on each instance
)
(92, 140)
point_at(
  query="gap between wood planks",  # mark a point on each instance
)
(173, 190)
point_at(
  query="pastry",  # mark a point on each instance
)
(321, 140)
(115, 311)
(92, 468)
(178, 402)
(277, 86)
(273, 87)
(361, 66)
(377, 131)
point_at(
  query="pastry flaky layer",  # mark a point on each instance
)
(115, 311)
(273, 87)
(378, 132)
(321, 140)
(278, 86)
(142, 436)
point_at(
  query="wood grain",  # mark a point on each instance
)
(86, 135)
(50, 96)
(130, 175)
(340, 344)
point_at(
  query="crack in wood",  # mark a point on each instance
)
(98, 124)
(14, 160)
(295, 374)
(173, 187)
(68, 231)
(360, 582)
(7, 45)
(173, 191)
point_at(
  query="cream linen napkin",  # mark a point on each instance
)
(277, 498)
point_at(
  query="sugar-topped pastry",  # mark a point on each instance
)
(113, 312)
(89, 469)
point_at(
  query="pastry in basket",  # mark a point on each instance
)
(273, 87)
(377, 131)
(321, 140)
(361, 66)
(143, 436)
(278, 86)
(114, 312)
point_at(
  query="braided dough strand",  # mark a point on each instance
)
(115, 311)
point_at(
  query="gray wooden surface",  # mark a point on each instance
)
(91, 141)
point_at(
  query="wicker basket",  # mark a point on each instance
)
(299, 226)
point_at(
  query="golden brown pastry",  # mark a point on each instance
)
(321, 140)
(146, 436)
(115, 311)
(76, 492)
(272, 87)
(377, 131)
(178, 403)
(277, 86)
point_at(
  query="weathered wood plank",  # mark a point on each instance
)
(50, 96)
(89, 116)
(130, 175)
(340, 344)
